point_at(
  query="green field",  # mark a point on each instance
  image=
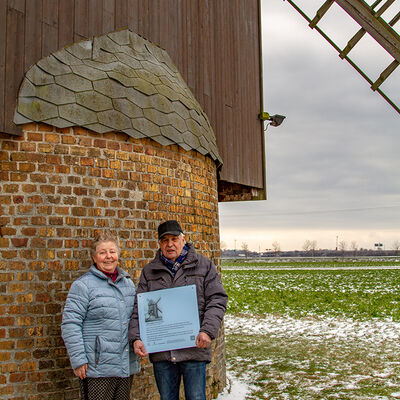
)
(312, 330)
(359, 294)
(338, 262)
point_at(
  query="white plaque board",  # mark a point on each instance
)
(168, 318)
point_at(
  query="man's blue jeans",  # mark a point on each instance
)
(168, 378)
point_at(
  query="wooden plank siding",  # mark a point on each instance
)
(14, 60)
(215, 45)
(81, 26)
(3, 30)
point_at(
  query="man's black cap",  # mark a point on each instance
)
(171, 227)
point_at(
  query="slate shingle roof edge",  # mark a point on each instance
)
(116, 82)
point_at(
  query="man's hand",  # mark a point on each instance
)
(139, 348)
(80, 372)
(203, 340)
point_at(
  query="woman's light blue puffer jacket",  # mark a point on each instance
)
(95, 324)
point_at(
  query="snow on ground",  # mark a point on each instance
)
(368, 333)
(290, 267)
(374, 331)
(234, 390)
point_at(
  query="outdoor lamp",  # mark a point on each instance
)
(276, 119)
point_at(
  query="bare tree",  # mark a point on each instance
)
(313, 246)
(307, 245)
(396, 246)
(245, 248)
(276, 247)
(342, 246)
(354, 246)
(310, 245)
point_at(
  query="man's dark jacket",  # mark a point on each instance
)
(211, 300)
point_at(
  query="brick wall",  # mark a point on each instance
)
(60, 186)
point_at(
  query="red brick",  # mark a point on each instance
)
(6, 390)
(23, 321)
(25, 298)
(16, 287)
(38, 220)
(9, 145)
(45, 209)
(78, 211)
(47, 168)
(47, 189)
(108, 173)
(61, 149)
(55, 243)
(28, 254)
(55, 179)
(68, 139)
(38, 242)
(80, 191)
(53, 159)
(56, 220)
(27, 366)
(40, 178)
(24, 209)
(62, 169)
(45, 148)
(6, 321)
(19, 242)
(25, 276)
(7, 344)
(29, 188)
(78, 198)
(46, 254)
(100, 143)
(46, 231)
(8, 166)
(45, 128)
(29, 231)
(87, 161)
(16, 265)
(63, 210)
(17, 377)
(5, 356)
(36, 265)
(52, 138)
(4, 242)
(10, 188)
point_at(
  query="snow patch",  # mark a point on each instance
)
(375, 331)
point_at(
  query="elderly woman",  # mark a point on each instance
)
(95, 325)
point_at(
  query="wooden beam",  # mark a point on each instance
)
(386, 36)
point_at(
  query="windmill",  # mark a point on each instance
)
(371, 21)
(153, 310)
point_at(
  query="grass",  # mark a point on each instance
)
(305, 263)
(294, 368)
(283, 363)
(357, 294)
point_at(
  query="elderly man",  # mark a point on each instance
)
(177, 264)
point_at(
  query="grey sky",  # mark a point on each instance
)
(333, 166)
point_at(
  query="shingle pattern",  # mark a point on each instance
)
(116, 82)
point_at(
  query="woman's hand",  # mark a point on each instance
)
(203, 340)
(139, 348)
(80, 372)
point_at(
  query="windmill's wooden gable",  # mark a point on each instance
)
(214, 44)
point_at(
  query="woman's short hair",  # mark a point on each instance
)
(104, 237)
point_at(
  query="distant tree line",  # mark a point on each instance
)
(310, 248)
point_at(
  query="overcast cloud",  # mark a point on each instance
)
(333, 166)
